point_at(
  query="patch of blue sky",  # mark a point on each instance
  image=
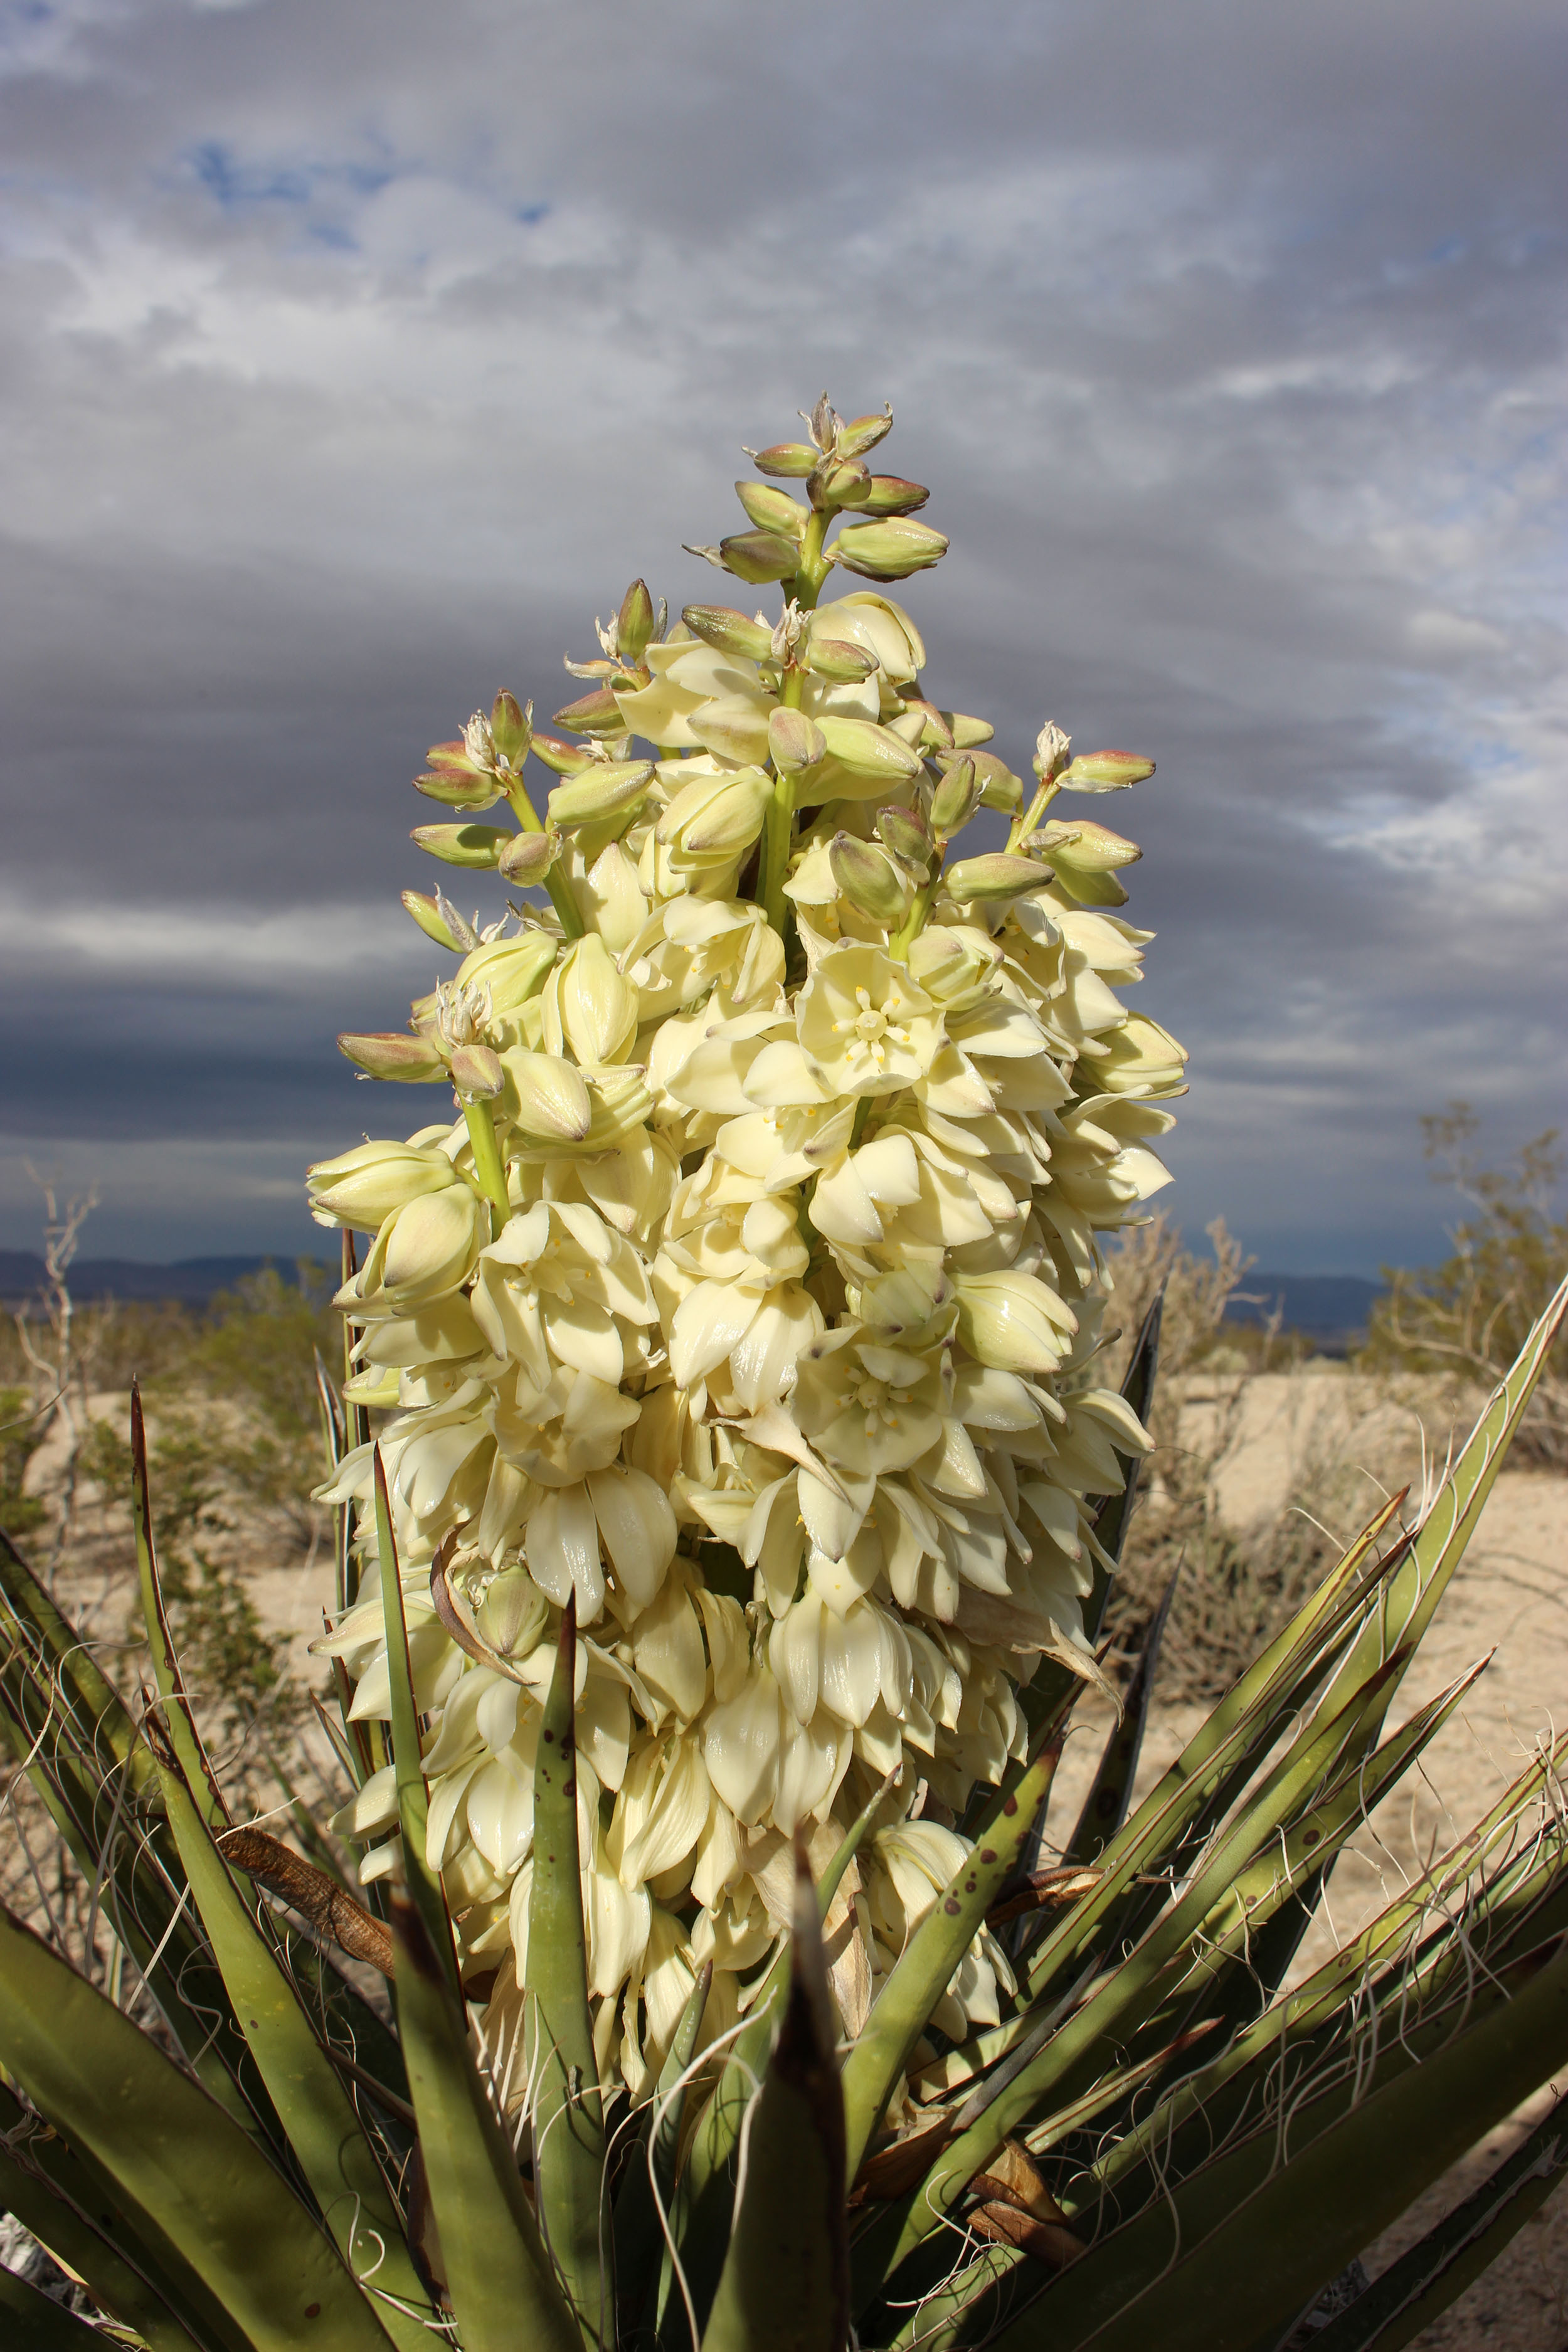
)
(321, 194)
(236, 185)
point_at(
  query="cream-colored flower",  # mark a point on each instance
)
(426, 1248)
(764, 1331)
(562, 1288)
(366, 1186)
(863, 1026)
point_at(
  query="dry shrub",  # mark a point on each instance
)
(1467, 1318)
(1237, 1586)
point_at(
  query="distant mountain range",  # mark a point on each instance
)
(189, 1282)
(1332, 1309)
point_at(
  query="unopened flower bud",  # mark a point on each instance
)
(511, 1616)
(905, 832)
(506, 973)
(866, 749)
(792, 460)
(633, 624)
(528, 858)
(921, 723)
(772, 511)
(589, 1009)
(839, 482)
(752, 555)
(1052, 748)
(426, 1248)
(439, 920)
(477, 1072)
(1090, 848)
(890, 494)
(714, 818)
(461, 786)
(839, 662)
(608, 789)
(546, 1096)
(868, 879)
(997, 876)
(863, 432)
(999, 787)
(592, 714)
(393, 1053)
(956, 967)
(510, 971)
(968, 733)
(956, 797)
(363, 1187)
(462, 844)
(564, 759)
(887, 551)
(1106, 772)
(728, 631)
(511, 729)
(794, 743)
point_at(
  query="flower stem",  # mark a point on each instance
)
(481, 1124)
(1024, 824)
(555, 882)
(899, 946)
(803, 589)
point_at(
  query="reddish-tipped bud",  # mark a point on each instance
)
(464, 788)
(890, 494)
(1106, 772)
(752, 555)
(462, 844)
(956, 797)
(635, 623)
(868, 878)
(393, 1054)
(888, 551)
(906, 832)
(791, 460)
(772, 510)
(477, 1072)
(592, 714)
(439, 920)
(528, 858)
(565, 759)
(996, 877)
(728, 631)
(511, 727)
(863, 432)
(839, 482)
(794, 743)
(840, 663)
(607, 789)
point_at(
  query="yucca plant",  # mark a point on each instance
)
(714, 1592)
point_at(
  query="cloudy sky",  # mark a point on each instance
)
(357, 351)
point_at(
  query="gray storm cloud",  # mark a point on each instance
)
(356, 359)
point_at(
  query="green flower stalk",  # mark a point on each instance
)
(752, 1304)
